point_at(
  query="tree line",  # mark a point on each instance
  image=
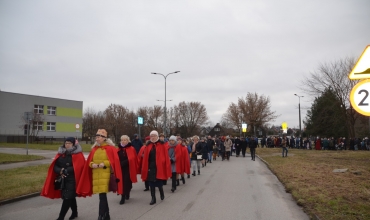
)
(331, 113)
(185, 118)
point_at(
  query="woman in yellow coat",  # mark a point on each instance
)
(97, 172)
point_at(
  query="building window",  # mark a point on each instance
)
(38, 109)
(217, 129)
(50, 126)
(37, 126)
(52, 110)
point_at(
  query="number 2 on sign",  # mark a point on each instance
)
(366, 95)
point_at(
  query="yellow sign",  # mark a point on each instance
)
(362, 67)
(284, 125)
(244, 130)
(359, 97)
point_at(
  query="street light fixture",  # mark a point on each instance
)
(165, 98)
(299, 107)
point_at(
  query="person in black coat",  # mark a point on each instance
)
(196, 149)
(252, 146)
(137, 143)
(64, 167)
(204, 152)
(243, 146)
(222, 148)
(237, 146)
(210, 145)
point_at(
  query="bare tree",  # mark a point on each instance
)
(36, 124)
(154, 120)
(191, 117)
(232, 118)
(334, 76)
(254, 110)
(115, 116)
(91, 122)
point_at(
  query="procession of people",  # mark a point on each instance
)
(114, 169)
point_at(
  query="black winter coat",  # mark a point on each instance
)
(198, 150)
(65, 161)
(252, 143)
(152, 171)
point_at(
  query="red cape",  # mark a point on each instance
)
(318, 144)
(140, 158)
(84, 187)
(179, 159)
(132, 162)
(48, 190)
(185, 160)
(162, 161)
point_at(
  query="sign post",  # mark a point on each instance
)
(28, 116)
(284, 126)
(359, 96)
(140, 121)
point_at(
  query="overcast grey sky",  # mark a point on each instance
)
(103, 52)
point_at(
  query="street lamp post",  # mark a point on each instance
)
(165, 98)
(299, 107)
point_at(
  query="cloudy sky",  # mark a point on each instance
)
(103, 52)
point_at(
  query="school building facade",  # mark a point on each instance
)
(50, 117)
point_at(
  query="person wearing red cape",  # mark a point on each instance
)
(129, 166)
(318, 143)
(175, 154)
(156, 166)
(185, 160)
(68, 163)
(101, 162)
(140, 157)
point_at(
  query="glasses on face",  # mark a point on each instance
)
(100, 135)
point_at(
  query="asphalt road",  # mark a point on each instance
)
(235, 189)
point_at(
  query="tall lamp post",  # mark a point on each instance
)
(299, 107)
(165, 98)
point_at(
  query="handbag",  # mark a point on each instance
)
(112, 181)
(59, 183)
(199, 157)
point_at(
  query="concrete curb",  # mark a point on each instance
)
(16, 199)
(311, 215)
(264, 162)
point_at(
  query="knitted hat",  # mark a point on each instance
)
(173, 138)
(70, 139)
(154, 132)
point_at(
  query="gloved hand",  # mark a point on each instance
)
(65, 172)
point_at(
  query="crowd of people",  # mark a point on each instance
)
(316, 143)
(114, 169)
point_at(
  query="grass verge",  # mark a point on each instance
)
(308, 176)
(85, 147)
(13, 158)
(22, 181)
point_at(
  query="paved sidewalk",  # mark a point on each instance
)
(48, 154)
(235, 189)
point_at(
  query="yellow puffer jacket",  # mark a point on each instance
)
(100, 176)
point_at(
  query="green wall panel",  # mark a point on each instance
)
(66, 127)
(69, 112)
